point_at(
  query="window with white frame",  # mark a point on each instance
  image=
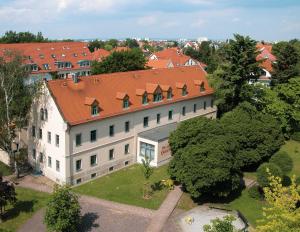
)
(147, 150)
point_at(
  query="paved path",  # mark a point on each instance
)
(162, 214)
(249, 182)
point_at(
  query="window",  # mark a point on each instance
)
(169, 94)
(57, 166)
(111, 154)
(157, 118)
(42, 114)
(125, 103)
(170, 116)
(46, 114)
(57, 140)
(93, 175)
(78, 165)
(195, 108)
(146, 121)
(49, 137)
(147, 150)
(111, 130)
(41, 157)
(33, 131)
(49, 162)
(111, 169)
(93, 136)
(78, 140)
(202, 88)
(34, 154)
(212, 103)
(126, 163)
(46, 66)
(184, 91)
(127, 124)
(95, 110)
(126, 149)
(93, 160)
(204, 105)
(78, 181)
(145, 99)
(157, 97)
(40, 133)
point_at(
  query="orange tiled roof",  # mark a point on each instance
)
(161, 63)
(70, 97)
(100, 54)
(173, 54)
(120, 49)
(266, 56)
(50, 53)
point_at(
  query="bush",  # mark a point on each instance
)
(298, 180)
(255, 192)
(262, 175)
(296, 136)
(286, 181)
(282, 160)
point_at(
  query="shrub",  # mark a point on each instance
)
(282, 160)
(255, 192)
(298, 180)
(286, 181)
(262, 175)
(296, 136)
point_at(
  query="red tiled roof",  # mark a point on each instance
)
(120, 49)
(266, 56)
(100, 54)
(161, 63)
(50, 53)
(173, 54)
(70, 97)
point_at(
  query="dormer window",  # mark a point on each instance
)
(95, 110)
(169, 94)
(145, 99)
(184, 91)
(125, 103)
(157, 97)
(46, 66)
(202, 87)
(34, 67)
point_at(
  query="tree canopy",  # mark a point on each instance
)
(131, 43)
(122, 61)
(22, 37)
(231, 79)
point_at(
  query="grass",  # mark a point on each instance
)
(125, 186)
(29, 201)
(293, 149)
(5, 170)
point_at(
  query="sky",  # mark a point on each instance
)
(269, 20)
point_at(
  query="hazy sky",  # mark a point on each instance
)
(216, 19)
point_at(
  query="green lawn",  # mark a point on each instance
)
(5, 170)
(28, 203)
(293, 149)
(125, 186)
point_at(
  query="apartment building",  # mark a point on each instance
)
(45, 60)
(86, 127)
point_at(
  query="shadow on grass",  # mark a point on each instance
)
(19, 207)
(157, 186)
(88, 222)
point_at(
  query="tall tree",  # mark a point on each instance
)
(63, 210)
(131, 43)
(120, 62)
(285, 66)
(283, 212)
(15, 102)
(231, 79)
(96, 44)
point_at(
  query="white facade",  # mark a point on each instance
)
(109, 152)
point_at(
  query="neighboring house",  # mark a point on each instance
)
(265, 55)
(84, 127)
(193, 45)
(175, 55)
(56, 58)
(161, 63)
(120, 49)
(99, 54)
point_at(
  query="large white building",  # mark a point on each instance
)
(86, 127)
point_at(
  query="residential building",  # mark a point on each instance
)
(103, 123)
(161, 63)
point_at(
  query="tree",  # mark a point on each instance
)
(15, 98)
(285, 66)
(221, 225)
(283, 161)
(147, 172)
(22, 37)
(7, 194)
(231, 79)
(283, 212)
(263, 173)
(120, 62)
(112, 42)
(131, 43)
(63, 210)
(95, 44)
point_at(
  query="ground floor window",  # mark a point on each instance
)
(93, 175)
(111, 169)
(147, 150)
(78, 181)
